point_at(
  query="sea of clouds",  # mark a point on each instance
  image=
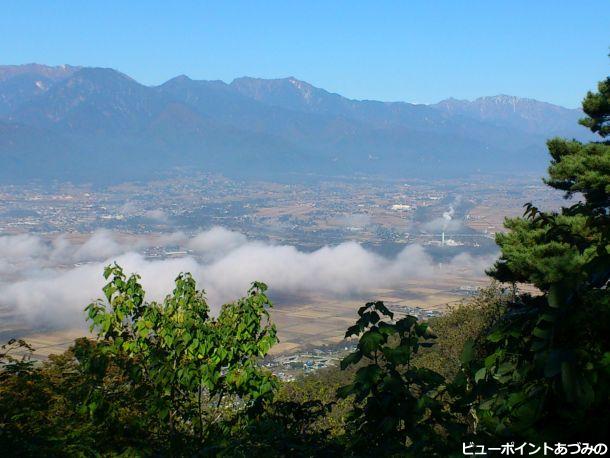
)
(48, 281)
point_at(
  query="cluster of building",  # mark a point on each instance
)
(417, 312)
(288, 367)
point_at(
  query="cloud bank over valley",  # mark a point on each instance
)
(47, 282)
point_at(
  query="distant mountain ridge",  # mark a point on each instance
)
(44, 71)
(529, 115)
(97, 124)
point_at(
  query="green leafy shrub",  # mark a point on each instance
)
(195, 369)
(397, 407)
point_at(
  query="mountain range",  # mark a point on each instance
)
(98, 124)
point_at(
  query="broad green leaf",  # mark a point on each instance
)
(467, 352)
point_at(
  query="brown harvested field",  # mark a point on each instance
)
(305, 320)
(490, 219)
(51, 342)
(489, 214)
(390, 220)
(291, 210)
(323, 320)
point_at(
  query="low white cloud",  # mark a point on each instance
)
(48, 282)
(131, 209)
(100, 245)
(216, 242)
(21, 246)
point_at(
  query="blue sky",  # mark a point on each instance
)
(417, 51)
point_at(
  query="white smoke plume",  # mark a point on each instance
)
(446, 223)
(48, 282)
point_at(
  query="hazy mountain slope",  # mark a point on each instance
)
(20, 83)
(527, 115)
(223, 103)
(21, 89)
(300, 96)
(338, 114)
(351, 136)
(92, 100)
(112, 127)
(99, 124)
(523, 123)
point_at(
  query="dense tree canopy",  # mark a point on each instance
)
(597, 107)
(547, 368)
